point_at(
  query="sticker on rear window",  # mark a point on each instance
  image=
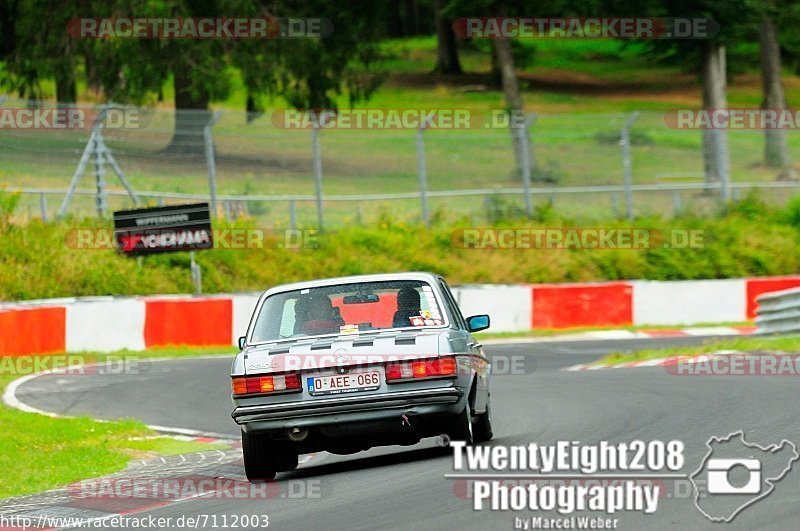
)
(348, 329)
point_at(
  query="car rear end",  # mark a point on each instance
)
(346, 395)
(346, 364)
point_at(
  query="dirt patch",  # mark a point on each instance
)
(551, 79)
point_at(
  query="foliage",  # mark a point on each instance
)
(307, 71)
(612, 137)
(749, 239)
(9, 201)
(791, 214)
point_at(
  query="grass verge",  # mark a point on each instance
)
(784, 344)
(38, 453)
(750, 238)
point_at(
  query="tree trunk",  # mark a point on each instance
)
(66, 88)
(411, 17)
(254, 110)
(495, 74)
(93, 78)
(776, 149)
(513, 97)
(8, 16)
(394, 20)
(446, 48)
(715, 141)
(191, 113)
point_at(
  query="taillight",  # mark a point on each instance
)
(414, 370)
(257, 385)
(239, 386)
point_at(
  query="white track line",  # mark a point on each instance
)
(10, 399)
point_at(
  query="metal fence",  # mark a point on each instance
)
(589, 165)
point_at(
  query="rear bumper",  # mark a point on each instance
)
(348, 409)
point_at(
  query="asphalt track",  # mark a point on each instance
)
(406, 487)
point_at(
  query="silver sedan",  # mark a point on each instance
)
(345, 364)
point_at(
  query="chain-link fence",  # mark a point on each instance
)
(592, 165)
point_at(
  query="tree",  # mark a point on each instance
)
(515, 106)
(776, 148)
(735, 20)
(307, 72)
(713, 73)
(9, 10)
(446, 49)
(403, 18)
(198, 68)
(36, 46)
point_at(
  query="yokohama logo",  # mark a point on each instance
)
(165, 239)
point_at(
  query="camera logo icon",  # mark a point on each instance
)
(735, 474)
(719, 476)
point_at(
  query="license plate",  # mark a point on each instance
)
(339, 384)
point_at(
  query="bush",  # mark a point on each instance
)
(791, 214)
(749, 240)
(614, 137)
(9, 201)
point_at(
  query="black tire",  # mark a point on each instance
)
(264, 457)
(461, 426)
(482, 430)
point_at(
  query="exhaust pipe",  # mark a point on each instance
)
(297, 434)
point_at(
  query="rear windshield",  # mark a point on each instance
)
(347, 309)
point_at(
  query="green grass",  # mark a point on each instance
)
(40, 260)
(39, 452)
(784, 344)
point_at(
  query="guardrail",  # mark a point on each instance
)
(779, 312)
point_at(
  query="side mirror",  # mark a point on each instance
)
(242, 342)
(476, 323)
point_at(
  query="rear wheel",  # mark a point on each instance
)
(483, 426)
(264, 457)
(461, 426)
